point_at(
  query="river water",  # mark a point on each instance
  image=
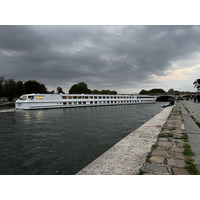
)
(63, 141)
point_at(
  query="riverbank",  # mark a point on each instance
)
(159, 147)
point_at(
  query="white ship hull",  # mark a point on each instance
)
(46, 101)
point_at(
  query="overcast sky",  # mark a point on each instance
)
(122, 58)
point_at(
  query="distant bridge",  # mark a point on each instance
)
(165, 97)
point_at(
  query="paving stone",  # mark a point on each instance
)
(177, 135)
(175, 163)
(160, 153)
(179, 144)
(177, 149)
(157, 159)
(179, 156)
(157, 169)
(178, 132)
(178, 140)
(166, 132)
(182, 127)
(163, 139)
(180, 171)
(165, 144)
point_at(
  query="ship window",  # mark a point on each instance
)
(95, 102)
(99, 97)
(104, 97)
(75, 97)
(91, 102)
(84, 102)
(70, 103)
(108, 102)
(64, 103)
(111, 97)
(30, 97)
(95, 97)
(111, 101)
(69, 97)
(107, 97)
(64, 97)
(79, 97)
(86, 97)
(39, 97)
(114, 97)
(79, 102)
(91, 97)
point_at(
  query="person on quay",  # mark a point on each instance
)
(171, 103)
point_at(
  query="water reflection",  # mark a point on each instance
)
(39, 115)
(27, 117)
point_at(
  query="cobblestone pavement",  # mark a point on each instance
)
(167, 155)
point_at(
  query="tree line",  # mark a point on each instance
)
(158, 91)
(12, 89)
(83, 88)
(152, 91)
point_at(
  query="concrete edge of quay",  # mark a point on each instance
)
(128, 155)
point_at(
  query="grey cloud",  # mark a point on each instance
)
(102, 56)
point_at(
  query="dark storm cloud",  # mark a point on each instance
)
(102, 56)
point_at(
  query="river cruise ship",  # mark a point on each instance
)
(42, 101)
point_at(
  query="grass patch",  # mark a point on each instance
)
(191, 167)
(168, 135)
(195, 120)
(172, 129)
(141, 172)
(185, 137)
(187, 150)
(148, 157)
(154, 146)
(177, 112)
